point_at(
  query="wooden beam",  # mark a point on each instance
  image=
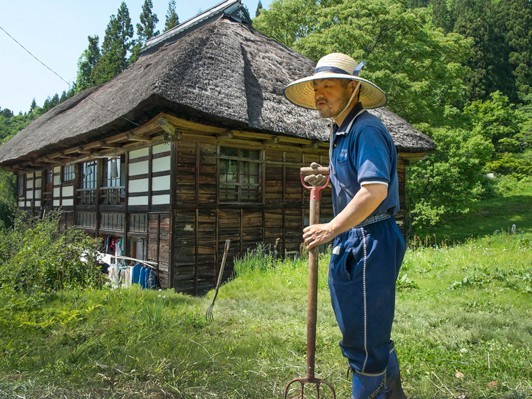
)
(136, 137)
(117, 138)
(76, 150)
(167, 126)
(93, 145)
(252, 135)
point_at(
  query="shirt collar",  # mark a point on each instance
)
(349, 119)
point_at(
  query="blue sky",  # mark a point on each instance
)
(56, 32)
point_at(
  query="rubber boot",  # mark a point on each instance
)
(394, 389)
(368, 386)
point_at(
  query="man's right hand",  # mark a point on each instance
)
(316, 179)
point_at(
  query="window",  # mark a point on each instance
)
(69, 173)
(138, 222)
(89, 173)
(239, 175)
(113, 187)
(86, 193)
(113, 173)
(21, 183)
(47, 187)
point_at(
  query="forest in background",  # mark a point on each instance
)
(458, 70)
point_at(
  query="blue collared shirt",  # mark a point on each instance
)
(362, 151)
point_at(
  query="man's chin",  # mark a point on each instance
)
(324, 112)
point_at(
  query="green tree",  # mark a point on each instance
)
(146, 29)
(86, 64)
(33, 105)
(288, 20)
(450, 179)
(495, 119)
(36, 257)
(416, 3)
(148, 22)
(50, 102)
(507, 128)
(116, 47)
(172, 19)
(518, 18)
(259, 9)
(418, 66)
(6, 112)
(441, 15)
(7, 198)
(482, 21)
(10, 125)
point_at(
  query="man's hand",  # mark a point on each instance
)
(316, 179)
(317, 234)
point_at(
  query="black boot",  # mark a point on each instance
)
(394, 389)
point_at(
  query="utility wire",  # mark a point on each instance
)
(60, 77)
(42, 63)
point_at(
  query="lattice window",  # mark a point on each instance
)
(47, 187)
(21, 184)
(112, 221)
(113, 187)
(138, 222)
(239, 175)
(86, 219)
(69, 173)
(86, 193)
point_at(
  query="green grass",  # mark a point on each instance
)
(490, 216)
(462, 328)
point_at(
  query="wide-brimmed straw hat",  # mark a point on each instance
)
(335, 66)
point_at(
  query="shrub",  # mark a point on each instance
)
(37, 257)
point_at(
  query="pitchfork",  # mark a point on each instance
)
(312, 305)
(219, 281)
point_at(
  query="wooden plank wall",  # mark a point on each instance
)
(202, 223)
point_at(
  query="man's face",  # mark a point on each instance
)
(332, 95)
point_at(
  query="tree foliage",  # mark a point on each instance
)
(116, 47)
(86, 64)
(450, 179)
(7, 198)
(517, 16)
(146, 29)
(419, 67)
(446, 66)
(172, 19)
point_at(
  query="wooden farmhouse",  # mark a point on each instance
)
(190, 146)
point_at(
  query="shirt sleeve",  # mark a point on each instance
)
(373, 162)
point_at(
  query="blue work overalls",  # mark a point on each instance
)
(366, 259)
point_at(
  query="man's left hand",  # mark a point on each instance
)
(317, 234)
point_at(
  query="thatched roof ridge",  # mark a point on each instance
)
(224, 73)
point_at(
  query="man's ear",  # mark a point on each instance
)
(353, 84)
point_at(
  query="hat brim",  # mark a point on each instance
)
(301, 92)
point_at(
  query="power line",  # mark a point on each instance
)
(60, 77)
(38, 60)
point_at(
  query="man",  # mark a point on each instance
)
(368, 247)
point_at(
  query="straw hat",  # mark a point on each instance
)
(335, 66)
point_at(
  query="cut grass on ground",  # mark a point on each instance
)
(462, 331)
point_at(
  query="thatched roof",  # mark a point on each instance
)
(223, 73)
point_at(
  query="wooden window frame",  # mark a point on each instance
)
(240, 175)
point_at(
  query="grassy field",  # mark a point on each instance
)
(496, 214)
(462, 330)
